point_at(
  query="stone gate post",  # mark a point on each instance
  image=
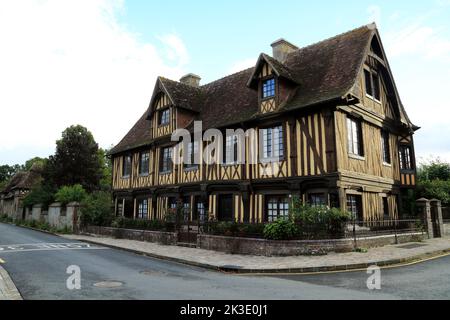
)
(424, 209)
(436, 209)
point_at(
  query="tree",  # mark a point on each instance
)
(434, 170)
(434, 181)
(105, 160)
(7, 171)
(76, 160)
(36, 160)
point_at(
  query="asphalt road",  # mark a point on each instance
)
(37, 263)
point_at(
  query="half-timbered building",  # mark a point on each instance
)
(329, 112)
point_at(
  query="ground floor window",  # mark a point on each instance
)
(142, 209)
(186, 208)
(386, 214)
(317, 199)
(277, 207)
(354, 206)
(199, 210)
(172, 203)
(119, 209)
(225, 208)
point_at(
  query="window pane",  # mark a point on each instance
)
(268, 89)
(368, 81)
(354, 137)
(376, 86)
(386, 147)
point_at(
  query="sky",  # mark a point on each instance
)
(95, 62)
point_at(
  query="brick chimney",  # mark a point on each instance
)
(191, 80)
(281, 48)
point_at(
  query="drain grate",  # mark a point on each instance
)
(108, 284)
(412, 246)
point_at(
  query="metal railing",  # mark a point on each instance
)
(320, 231)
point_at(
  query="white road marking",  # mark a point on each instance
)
(48, 247)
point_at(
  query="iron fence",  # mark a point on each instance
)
(319, 231)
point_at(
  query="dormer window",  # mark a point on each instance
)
(164, 117)
(268, 88)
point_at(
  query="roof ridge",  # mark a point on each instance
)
(368, 26)
(227, 76)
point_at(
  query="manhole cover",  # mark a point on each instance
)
(412, 246)
(108, 284)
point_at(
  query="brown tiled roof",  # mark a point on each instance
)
(24, 180)
(228, 100)
(280, 69)
(328, 69)
(182, 95)
(139, 135)
(323, 71)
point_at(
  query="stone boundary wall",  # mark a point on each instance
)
(261, 247)
(167, 238)
(57, 215)
(447, 229)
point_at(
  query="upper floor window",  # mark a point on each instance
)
(192, 154)
(164, 117)
(126, 170)
(231, 149)
(268, 88)
(277, 208)
(386, 148)
(144, 163)
(272, 143)
(405, 158)
(354, 137)
(166, 160)
(372, 82)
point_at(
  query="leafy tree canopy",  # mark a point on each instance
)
(77, 160)
(434, 170)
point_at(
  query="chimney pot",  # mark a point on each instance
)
(191, 80)
(281, 48)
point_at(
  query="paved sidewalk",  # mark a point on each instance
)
(8, 290)
(383, 256)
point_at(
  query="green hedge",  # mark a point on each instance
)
(140, 224)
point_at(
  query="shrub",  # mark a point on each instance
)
(282, 229)
(97, 209)
(235, 229)
(40, 194)
(68, 194)
(436, 189)
(140, 224)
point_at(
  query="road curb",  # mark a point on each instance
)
(318, 269)
(239, 270)
(34, 229)
(8, 290)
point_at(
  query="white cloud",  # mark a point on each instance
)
(241, 65)
(72, 62)
(419, 53)
(419, 39)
